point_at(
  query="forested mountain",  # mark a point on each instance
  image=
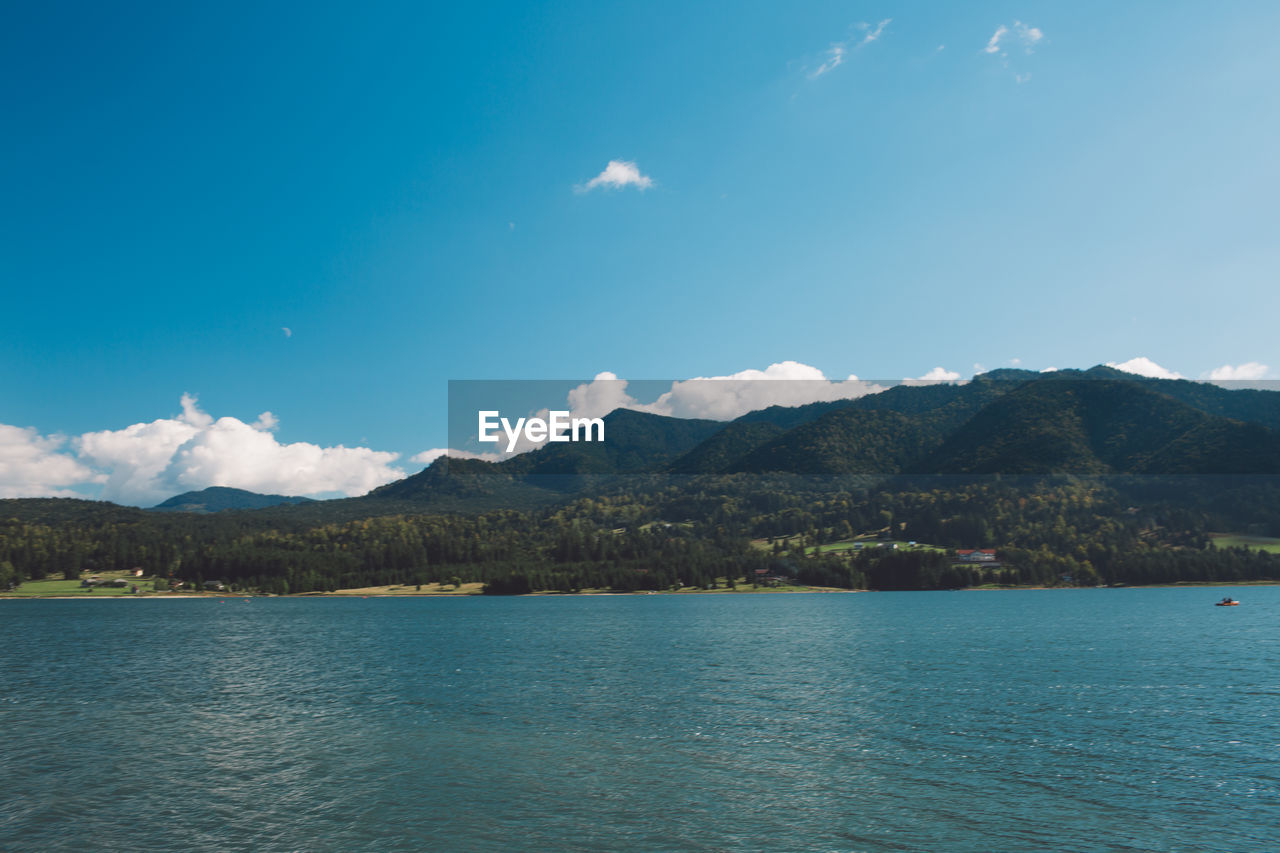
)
(1101, 427)
(1091, 476)
(1009, 421)
(635, 442)
(219, 498)
(1235, 401)
(882, 433)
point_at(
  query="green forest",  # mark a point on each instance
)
(660, 533)
(1109, 479)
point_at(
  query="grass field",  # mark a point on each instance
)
(65, 587)
(410, 589)
(61, 588)
(856, 544)
(1253, 543)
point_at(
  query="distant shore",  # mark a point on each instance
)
(387, 593)
(469, 590)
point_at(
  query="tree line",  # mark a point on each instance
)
(699, 531)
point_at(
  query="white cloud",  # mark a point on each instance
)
(839, 51)
(1143, 366)
(727, 397)
(35, 466)
(835, 58)
(993, 44)
(616, 175)
(288, 333)
(426, 457)
(722, 398)
(600, 396)
(1026, 36)
(940, 374)
(1049, 370)
(1015, 361)
(136, 457)
(148, 462)
(1248, 370)
(873, 33)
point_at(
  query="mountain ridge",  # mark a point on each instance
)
(223, 498)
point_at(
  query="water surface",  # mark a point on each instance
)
(1140, 719)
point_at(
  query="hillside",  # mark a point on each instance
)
(1099, 421)
(1088, 475)
(1097, 426)
(220, 498)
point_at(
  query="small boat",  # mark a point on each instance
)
(1227, 602)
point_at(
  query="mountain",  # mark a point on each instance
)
(1115, 479)
(1010, 421)
(1253, 405)
(635, 442)
(458, 485)
(723, 450)
(1101, 426)
(1097, 421)
(848, 441)
(877, 434)
(219, 498)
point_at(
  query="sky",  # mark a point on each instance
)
(251, 244)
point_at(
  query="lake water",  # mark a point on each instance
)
(1137, 719)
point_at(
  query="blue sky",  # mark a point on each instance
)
(857, 187)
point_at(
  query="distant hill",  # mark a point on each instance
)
(219, 498)
(1095, 475)
(1101, 426)
(1243, 404)
(878, 434)
(635, 442)
(1096, 421)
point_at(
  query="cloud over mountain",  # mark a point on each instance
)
(147, 462)
(1143, 366)
(1248, 370)
(33, 465)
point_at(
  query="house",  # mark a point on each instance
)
(215, 586)
(976, 555)
(771, 577)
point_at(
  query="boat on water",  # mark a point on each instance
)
(1227, 602)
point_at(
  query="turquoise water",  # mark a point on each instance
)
(1140, 719)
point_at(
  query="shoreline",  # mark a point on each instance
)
(384, 593)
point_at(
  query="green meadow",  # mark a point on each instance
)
(1254, 543)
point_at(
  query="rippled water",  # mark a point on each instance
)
(1056, 720)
